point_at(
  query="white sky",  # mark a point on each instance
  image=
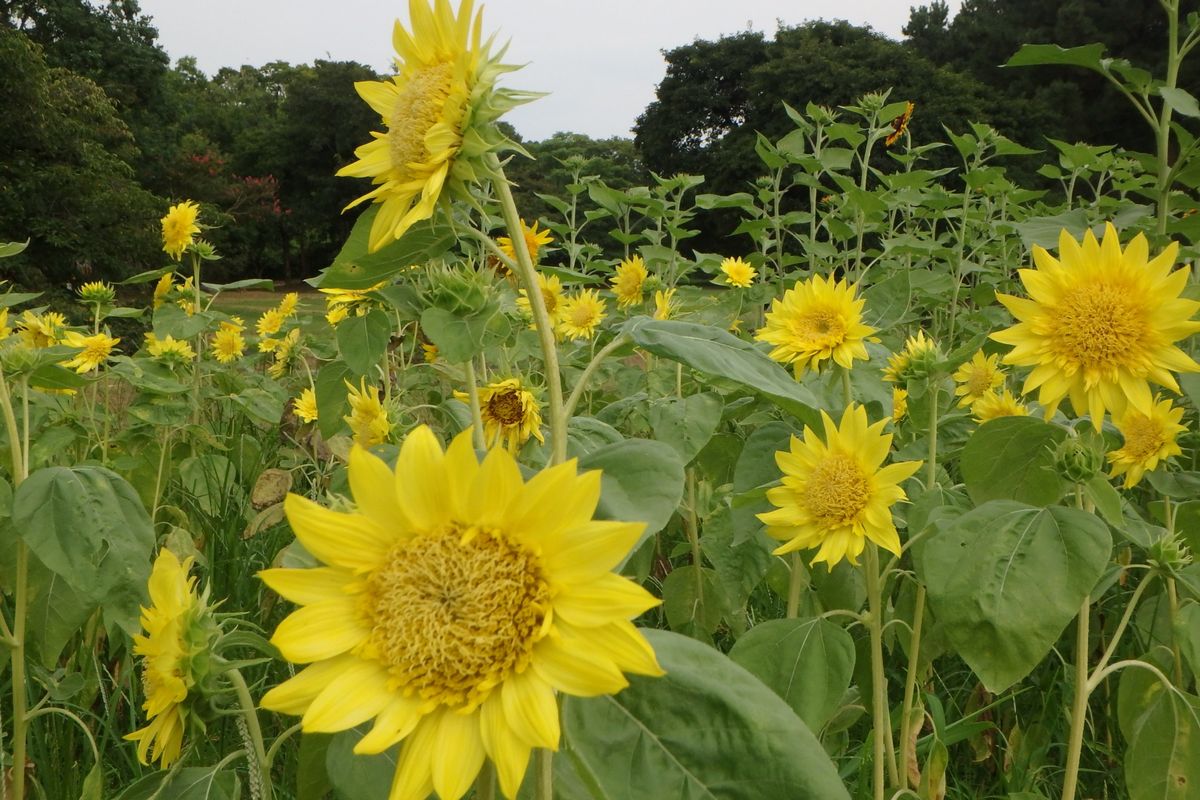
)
(600, 60)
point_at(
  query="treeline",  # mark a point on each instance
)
(102, 132)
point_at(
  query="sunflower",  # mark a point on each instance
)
(1100, 325)
(510, 413)
(97, 293)
(1149, 439)
(439, 110)
(738, 273)
(284, 354)
(4, 329)
(997, 404)
(179, 228)
(835, 493)
(552, 297)
(977, 377)
(41, 330)
(899, 404)
(228, 344)
(340, 302)
(429, 351)
(368, 418)
(163, 288)
(664, 303)
(899, 125)
(534, 240)
(305, 405)
(179, 634)
(269, 324)
(628, 280)
(917, 360)
(817, 320)
(582, 314)
(454, 604)
(287, 306)
(94, 350)
(174, 352)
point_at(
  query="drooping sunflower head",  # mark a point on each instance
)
(94, 350)
(738, 272)
(285, 354)
(1100, 325)
(305, 405)
(835, 493)
(899, 125)
(97, 293)
(340, 303)
(997, 404)
(175, 649)
(582, 314)
(917, 361)
(534, 241)
(977, 377)
(899, 404)
(628, 281)
(41, 330)
(664, 303)
(163, 288)
(452, 606)
(179, 228)
(817, 320)
(510, 412)
(439, 111)
(368, 419)
(1149, 439)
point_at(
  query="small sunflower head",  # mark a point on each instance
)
(738, 272)
(920, 360)
(97, 293)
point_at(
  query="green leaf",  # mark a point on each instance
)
(693, 605)
(642, 482)
(687, 424)
(585, 434)
(740, 565)
(1163, 758)
(9, 299)
(9, 249)
(147, 276)
(1012, 458)
(56, 613)
(87, 525)
(708, 730)
(458, 338)
(362, 341)
(1181, 101)
(331, 394)
(245, 283)
(1006, 578)
(312, 779)
(807, 662)
(189, 783)
(171, 320)
(1044, 231)
(261, 405)
(356, 777)
(712, 351)
(211, 481)
(1090, 56)
(355, 268)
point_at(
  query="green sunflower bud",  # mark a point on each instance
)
(1170, 553)
(1078, 460)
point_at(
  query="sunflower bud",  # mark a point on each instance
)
(462, 292)
(1078, 460)
(1169, 553)
(97, 293)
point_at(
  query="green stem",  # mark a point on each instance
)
(20, 471)
(795, 586)
(537, 304)
(476, 411)
(879, 703)
(251, 716)
(485, 782)
(199, 341)
(931, 464)
(847, 389)
(589, 371)
(544, 764)
(1173, 600)
(1078, 705)
(1094, 681)
(910, 679)
(1164, 120)
(692, 526)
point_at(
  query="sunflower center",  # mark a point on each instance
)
(836, 491)
(1143, 437)
(822, 327)
(506, 408)
(1099, 326)
(582, 316)
(418, 107)
(455, 611)
(550, 300)
(979, 382)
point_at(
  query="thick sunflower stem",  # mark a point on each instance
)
(476, 411)
(795, 585)
(910, 679)
(847, 388)
(931, 461)
(250, 714)
(1173, 600)
(544, 760)
(882, 719)
(1163, 131)
(537, 304)
(20, 471)
(1078, 705)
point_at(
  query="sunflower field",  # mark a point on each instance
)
(897, 497)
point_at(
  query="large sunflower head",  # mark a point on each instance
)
(581, 315)
(836, 493)
(228, 344)
(179, 228)
(1100, 325)
(628, 281)
(510, 413)
(452, 606)
(977, 377)
(817, 320)
(439, 111)
(94, 350)
(176, 651)
(1149, 439)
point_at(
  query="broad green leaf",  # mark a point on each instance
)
(707, 730)
(260, 404)
(585, 434)
(331, 394)
(1090, 56)
(755, 468)
(642, 482)
(312, 779)
(1044, 231)
(147, 276)
(740, 565)
(87, 525)
(9, 249)
(458, 338)
(9, 299)
(245, 283)
(687, 424)
(693, 604)
(1006, 578)
(1181, 101)
(171, 320)
(712, 351)
(1012, 458)
(1162, 761)
(356, 777)
(362, 341)
(211, 482)
(807, 662)
(355, 268)
(56, 613)
(189, 783)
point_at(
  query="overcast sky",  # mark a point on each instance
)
(599, 59)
